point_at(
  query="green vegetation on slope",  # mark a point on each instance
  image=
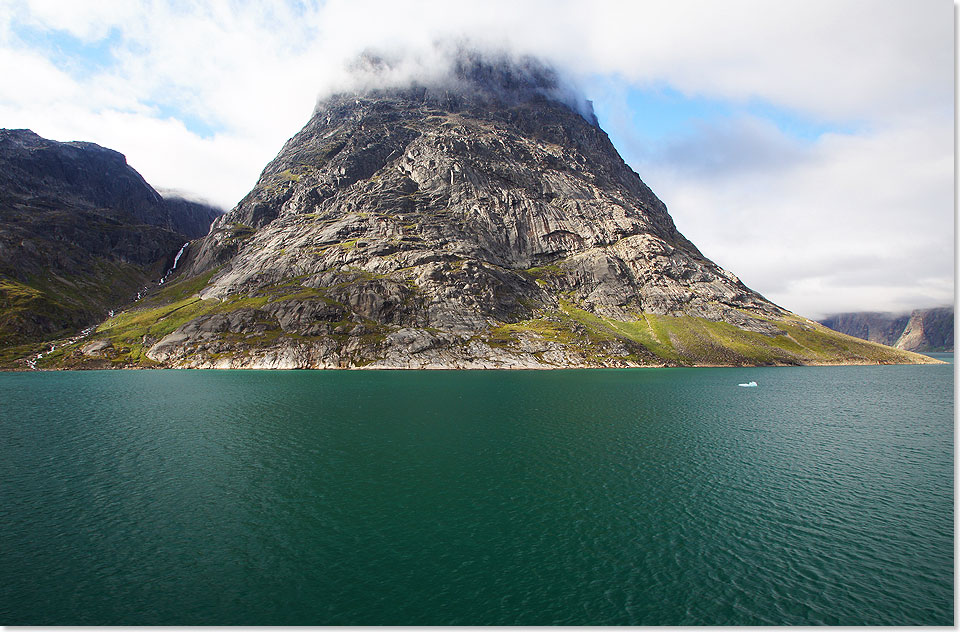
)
(132, 332)
(649, 339)
(688, 341)
(17, 302)
(51, 305)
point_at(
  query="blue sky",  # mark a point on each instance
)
(80, 58)
(656, 112)
(807, 146)
(649, 124)
(661, 112)
(85, 59)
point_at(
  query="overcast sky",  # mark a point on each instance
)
(805, 146)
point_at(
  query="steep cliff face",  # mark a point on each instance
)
(484, 220)
(921, 330)
(80, 232)
(85, 175)
(880, 327)
(928, 330)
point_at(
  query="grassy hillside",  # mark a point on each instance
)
(646, 340)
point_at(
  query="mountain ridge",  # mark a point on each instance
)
(483, 221)
(919, 330)
(81, 232)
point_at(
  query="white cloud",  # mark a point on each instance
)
(853, 213)
(242, 77)
(36, 80)
(87, 20)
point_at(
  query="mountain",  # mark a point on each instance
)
(921, 330)
(480, 220)
(80, 233)
(190, 218)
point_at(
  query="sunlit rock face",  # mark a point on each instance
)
(482, 219)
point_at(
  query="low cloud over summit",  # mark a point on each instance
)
(459, 67)
(848, 103)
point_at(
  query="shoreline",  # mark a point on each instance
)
(931, 361)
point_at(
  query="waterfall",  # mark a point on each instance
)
(32, 362)
(176, 260)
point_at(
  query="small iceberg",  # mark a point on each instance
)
(748, 384)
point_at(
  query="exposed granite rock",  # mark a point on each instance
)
(465, 198)
(96, 348)
(86, 175)
(189, 217)
(481, 221)
(883, 328)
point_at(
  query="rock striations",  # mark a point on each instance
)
(480, 221)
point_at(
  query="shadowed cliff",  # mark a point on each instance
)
(80, 233)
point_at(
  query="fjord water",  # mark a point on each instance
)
(648, 496)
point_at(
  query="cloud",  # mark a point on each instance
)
(855, 212)
(730, 148)
(86, 20)
(200, 96)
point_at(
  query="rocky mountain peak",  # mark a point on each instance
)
(473, 217)
(491, 79)
(35, 165)
(87, 176)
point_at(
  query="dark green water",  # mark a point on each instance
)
(656, 496)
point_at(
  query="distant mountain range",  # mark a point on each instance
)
(920, 330)
(80, 233)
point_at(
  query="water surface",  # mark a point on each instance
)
(645, 497)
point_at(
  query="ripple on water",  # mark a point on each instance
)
(647, 497)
